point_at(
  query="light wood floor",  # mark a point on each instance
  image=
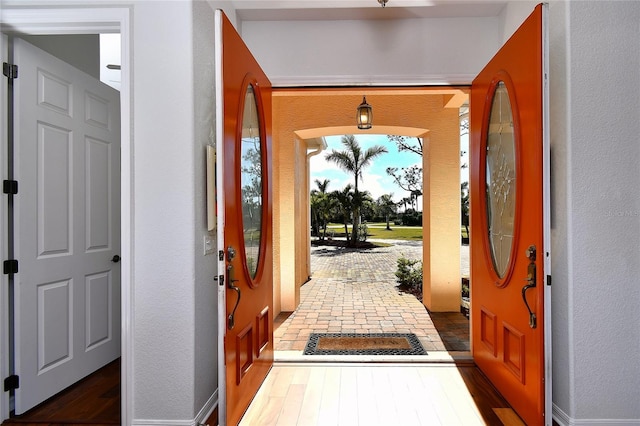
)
(377, 394)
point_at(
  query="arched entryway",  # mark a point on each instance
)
(301, 117)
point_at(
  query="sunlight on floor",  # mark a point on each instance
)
(376, 394)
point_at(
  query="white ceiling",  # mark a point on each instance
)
(287, 10)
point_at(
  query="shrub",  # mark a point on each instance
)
(409, 273)
(363, 232)
(465, 287)
(412, 218)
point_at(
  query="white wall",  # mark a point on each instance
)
(164, 208)
(595, 101)
(206, 308)
(80, 50)
(513, 15)
(416, 51)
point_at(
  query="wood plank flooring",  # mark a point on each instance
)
(95, 401)
(377, 394)
(305, 394)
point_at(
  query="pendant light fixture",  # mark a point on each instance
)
(364, 115)
(383, 2)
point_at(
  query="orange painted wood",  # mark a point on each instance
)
(248, 361)
(514, 359)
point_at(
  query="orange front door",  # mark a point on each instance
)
(507, 221)
(247, 253)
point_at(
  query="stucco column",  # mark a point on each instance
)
(441, 213)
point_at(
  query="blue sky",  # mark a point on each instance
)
(375, 179)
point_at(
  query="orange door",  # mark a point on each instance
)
(247, 254)
(507, 220)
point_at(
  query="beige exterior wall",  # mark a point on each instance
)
(300, 117)
(441, 214)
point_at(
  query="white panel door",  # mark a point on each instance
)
(67, 157)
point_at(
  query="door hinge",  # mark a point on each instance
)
(220, 255)
(12, 382)
(10, 70)
(10, 187)
(10, 266)
(548, 279)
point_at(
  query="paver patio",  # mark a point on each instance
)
(354, 291)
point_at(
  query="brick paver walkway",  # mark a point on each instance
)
(354, 291)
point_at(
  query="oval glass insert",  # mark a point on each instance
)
(501, 180)
(251, 181)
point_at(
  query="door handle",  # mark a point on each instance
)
(531, 283)
(230, 284)
(115, 259)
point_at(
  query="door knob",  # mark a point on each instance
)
(115, 259)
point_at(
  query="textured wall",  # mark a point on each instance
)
(205, 300)
(164, 212)
(595, 85)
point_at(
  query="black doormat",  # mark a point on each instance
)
(363, 344)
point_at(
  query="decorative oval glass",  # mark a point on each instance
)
(251, 181)
(501, 180)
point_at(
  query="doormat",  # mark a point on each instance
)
(363, 344)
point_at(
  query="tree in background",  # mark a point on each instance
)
(410, 180)
(386, 207)
(464, 205)
(405, 143)
(354, 160)
(320, 208)
(344, 206)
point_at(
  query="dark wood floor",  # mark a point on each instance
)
(95, 400)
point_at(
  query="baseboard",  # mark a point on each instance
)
(560, 416)
(208, 408)
(200, 418)
(563, 419)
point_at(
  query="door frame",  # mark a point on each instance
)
(86, 20)
(546, 216)
(220, 223)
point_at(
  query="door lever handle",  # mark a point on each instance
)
(230, 284)
(533, 321)
(531, 283)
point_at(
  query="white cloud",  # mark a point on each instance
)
(376, 185)
(318, 164)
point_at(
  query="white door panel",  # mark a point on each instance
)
(67, 301)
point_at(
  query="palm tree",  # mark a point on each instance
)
(464, 206)
(344, 206)
(353, 160)
(387, 206)
(320, 207)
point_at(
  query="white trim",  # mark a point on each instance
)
(220, 221)
(546, 212)
(207, 409)
(61, 20)
(200, 419)
(563, 419)
(372, 80)
(4, 207)
(82, 20)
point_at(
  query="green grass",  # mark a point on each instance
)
(413, 233)
(379, 231)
